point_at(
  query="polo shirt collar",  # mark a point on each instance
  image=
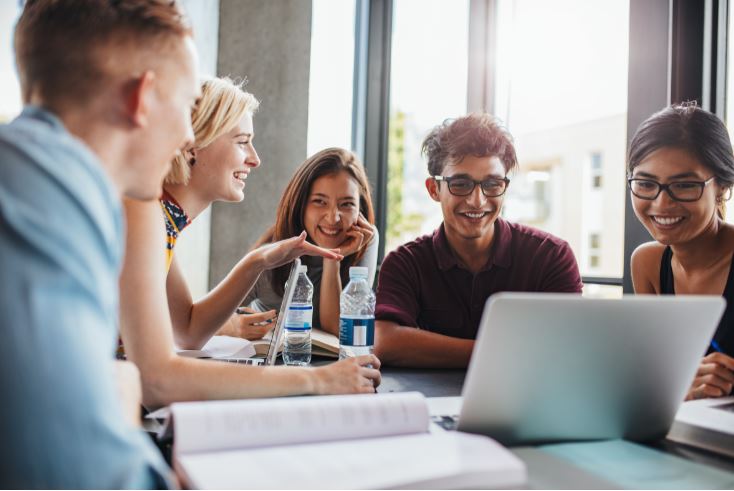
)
(501, 254)
(444, 256)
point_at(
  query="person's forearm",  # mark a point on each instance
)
(331, 288)
(178, 379)
(410, 347)
(214, 310)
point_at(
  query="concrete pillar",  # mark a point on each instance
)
(269, 43)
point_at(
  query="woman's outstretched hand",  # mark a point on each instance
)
(285, 251)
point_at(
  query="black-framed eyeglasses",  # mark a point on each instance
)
(679, 191)
(464, 186)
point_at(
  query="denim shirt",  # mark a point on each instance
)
(61, 247)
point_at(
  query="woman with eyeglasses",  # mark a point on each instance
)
(680, 174)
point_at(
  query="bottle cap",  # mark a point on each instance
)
(303, 268)
(358, 272)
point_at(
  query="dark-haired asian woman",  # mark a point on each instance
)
(680, 173)
(329, 198)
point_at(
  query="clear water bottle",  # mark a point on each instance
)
(357, 316)
(298, 321)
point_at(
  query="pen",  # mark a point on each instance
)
(715, 346)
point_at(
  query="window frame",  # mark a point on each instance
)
(677, 53)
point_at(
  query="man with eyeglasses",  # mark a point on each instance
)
(432, 290)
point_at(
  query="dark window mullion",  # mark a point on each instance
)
(372, 100)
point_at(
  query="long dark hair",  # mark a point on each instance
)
(289, 220)
(687, 127)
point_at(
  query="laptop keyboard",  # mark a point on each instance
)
(241, 361)
(446, 422)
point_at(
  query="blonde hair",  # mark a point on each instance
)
(222, 105)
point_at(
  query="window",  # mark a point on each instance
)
(331, 75)
(730, 96)
(601, 291)
(594, 257)
(10, 101)
(561, 89)
(596, 170)
(428, 84)
(532, 191)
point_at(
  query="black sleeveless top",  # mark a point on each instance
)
(724, 335)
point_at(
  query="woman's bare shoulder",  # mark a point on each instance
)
(645, 266)
(649, 251)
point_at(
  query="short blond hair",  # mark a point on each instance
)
(222, 105)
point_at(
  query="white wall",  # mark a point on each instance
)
(192, 248)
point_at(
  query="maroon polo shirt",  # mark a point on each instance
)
(422, 285)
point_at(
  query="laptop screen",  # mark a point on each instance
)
(290, 286)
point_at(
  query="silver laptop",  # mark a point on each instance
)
(277, 332)
(555, 367)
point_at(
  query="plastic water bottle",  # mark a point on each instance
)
(357, 316)
(298, 321)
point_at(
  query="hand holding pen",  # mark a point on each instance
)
(249, 324)
(715, 375)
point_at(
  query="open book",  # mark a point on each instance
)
(706, 423)
(327, 442)
(231, 348)
(322, 344)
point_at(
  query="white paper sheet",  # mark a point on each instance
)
(447, 460)
(224, 425)
(222, 347)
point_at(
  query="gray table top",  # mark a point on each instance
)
(544, 469)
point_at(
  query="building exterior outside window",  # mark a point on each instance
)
(561, 89)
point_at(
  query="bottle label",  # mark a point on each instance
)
(357, 331)
(299, 318)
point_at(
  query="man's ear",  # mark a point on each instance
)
(432, 187)
(139, 99)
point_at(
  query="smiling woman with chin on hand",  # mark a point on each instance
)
(328, 197)
(680, 174)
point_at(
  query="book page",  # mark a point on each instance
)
(324, 340)
(223, 425)
(222, 347)
(450, 460)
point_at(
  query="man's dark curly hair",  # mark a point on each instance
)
(477, 134)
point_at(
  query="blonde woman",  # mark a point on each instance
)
(156, 305)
